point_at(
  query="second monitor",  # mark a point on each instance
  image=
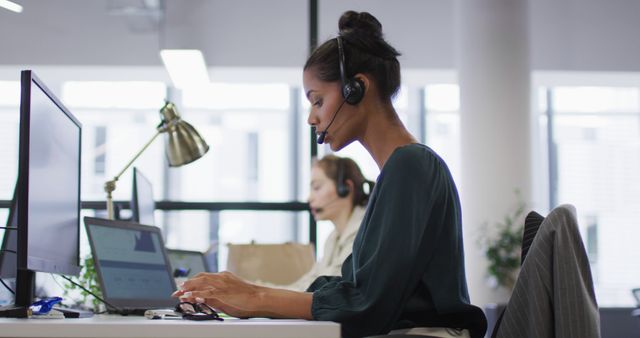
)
(143, 205)
(185, 263)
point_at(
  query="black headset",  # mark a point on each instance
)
(342, 188)
(352, 88)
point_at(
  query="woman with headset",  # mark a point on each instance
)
(406, 272)
(338, 193)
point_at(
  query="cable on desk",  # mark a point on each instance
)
(117, 309)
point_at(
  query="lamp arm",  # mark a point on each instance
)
(110, 186)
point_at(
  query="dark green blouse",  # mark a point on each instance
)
(407, 265)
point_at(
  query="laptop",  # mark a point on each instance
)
(131, 264)
(185, 263)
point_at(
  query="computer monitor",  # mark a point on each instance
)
(143, 205)
(188, 263)
(9, 247)
(48, 187)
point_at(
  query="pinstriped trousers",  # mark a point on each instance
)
(553, 296)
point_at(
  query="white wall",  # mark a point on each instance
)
(586, 35)
(572, 35)
(230, 33)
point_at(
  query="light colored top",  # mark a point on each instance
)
(336, 249)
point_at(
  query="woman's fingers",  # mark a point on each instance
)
(197, 282)
(203, 280)
(178, 293)
(201, 274)
(198, 294)
(198, 285)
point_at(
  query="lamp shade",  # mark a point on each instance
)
(183, 143)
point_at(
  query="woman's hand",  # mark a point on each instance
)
(223, 291)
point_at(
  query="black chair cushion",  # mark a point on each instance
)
(531, 225)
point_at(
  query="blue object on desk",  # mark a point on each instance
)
(43, 306)
(181, 272)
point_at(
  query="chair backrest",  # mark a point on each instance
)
(531, 225)
(554, 281)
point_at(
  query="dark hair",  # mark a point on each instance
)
(330, 165)
(365, 51)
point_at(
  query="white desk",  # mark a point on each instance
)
(107, 326)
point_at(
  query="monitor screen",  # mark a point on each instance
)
(191, 262)
(143, 205)
(48, 186)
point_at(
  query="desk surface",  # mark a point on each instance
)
(107, 326)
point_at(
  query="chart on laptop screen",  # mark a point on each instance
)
(131, 263)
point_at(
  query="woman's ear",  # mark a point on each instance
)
(349, 183)
(366, 81)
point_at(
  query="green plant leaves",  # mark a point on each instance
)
(89, 279)
(503, 249)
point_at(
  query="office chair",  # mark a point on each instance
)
(531, 225)
(475, 321)
(553, 295)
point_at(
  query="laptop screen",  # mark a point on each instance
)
(131, 263)
(191, 262)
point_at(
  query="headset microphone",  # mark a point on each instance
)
(321, 209)
(352, 88)
(323, 134)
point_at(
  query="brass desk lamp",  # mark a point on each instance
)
(183, 145)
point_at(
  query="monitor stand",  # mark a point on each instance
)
(25, 284)
(24, 296)
(13, 311)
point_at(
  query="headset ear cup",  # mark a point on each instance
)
(343, 190)
(353, 91)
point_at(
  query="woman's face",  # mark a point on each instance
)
(324, 201)
(325, 98)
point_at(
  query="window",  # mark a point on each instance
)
(442, 105)
(118, 118)
(248, 129)
(9, 133)
(249, 143)
(100, 155)
(596, 138)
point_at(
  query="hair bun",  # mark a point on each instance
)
(362, 22)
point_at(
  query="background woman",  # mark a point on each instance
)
(338, 193)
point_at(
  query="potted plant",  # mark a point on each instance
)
(501, 244)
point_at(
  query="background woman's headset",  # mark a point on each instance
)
(352, 88)
(342, 188)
